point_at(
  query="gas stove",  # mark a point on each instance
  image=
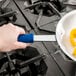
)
(44, 21)
(42, 58)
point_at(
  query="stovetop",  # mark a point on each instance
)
(41, 58)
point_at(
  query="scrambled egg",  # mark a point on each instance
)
(73, 40)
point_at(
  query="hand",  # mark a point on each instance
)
(8, 38)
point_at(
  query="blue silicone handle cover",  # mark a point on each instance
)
(26, 38)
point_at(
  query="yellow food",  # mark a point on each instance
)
(74, 52)
(73, 37)
(73, 40)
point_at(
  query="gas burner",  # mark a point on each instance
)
(7, 15)
(44, 8)
(25, 62)
(47, 7)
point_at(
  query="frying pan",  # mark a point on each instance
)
(64, 26)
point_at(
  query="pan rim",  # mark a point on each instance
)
(58, 25)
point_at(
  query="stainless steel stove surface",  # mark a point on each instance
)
(42, 58)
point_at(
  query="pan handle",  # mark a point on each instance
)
(26, 38)
(30, 38)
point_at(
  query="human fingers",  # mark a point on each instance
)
(21, 45)
(20, 30)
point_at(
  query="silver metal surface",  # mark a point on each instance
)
(44, 38)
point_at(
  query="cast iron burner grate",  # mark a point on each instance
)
(46, 8)
(23, 62)
(65, 64)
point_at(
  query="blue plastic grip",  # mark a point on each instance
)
(26, 38)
